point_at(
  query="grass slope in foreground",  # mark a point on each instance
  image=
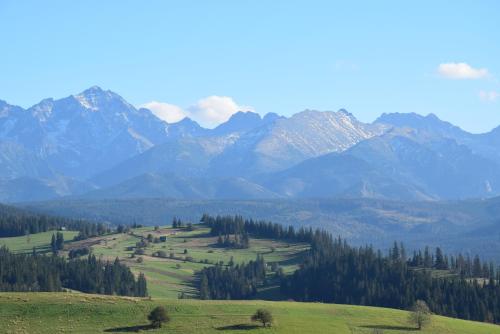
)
(81, 313)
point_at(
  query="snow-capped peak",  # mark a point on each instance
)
(90, 97)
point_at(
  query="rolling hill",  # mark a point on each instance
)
(81, 313)
(468, 226)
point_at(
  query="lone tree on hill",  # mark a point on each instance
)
(420, 314)
(263, 316)
(158, 316)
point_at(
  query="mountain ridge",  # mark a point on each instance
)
(98, 140)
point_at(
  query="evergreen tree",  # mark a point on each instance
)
(141, 288)
(59, 241)
(53, 244)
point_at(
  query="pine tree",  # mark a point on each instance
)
(59, 241)
(141, 290)
(204, 291)
(53, 245)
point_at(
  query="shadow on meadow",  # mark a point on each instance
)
(389, 327)
(238, 327)
(129, 329)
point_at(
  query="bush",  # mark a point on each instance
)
(264, 316)
(74, 253)
(161, 254)
(158, 316)
(420, 314)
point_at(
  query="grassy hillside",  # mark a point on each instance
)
(187, 252)
(469, 226)
(41, 241)
(80, 313)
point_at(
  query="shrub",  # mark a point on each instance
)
(158, 316)
(264, 316)
(420, 314)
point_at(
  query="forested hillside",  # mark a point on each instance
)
(17, 222)
(23, 272)
(469, 226)
(333, 271)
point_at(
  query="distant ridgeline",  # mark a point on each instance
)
(22, 272)
(334, 272)
(15, 222)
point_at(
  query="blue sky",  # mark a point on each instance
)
(273, 56)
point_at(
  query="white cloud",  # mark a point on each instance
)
(214, 110)
(208, 112)
(461, 71)
(168, 112)
(490, 96)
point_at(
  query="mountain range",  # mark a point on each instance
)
(97, 145)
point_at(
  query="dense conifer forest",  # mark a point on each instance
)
(15, 222)
(232, 282)
(35, 272)
(333, 271)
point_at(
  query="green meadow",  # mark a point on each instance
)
(41, 241)
(187, 252)
(48, 313)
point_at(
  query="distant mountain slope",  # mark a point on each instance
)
(239, 122)
(97, 139)
(152, 185)
(247, 145)
(430, 124)
(288, 141)
(396, 165)
(486, 145)
(36, 189)
(189, 156)
(84, 133)
(310, 134)
(339, 175)
(440, 168)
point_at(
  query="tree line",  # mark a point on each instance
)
(230, 225)
(15, 222)
(232, 282)
(463, 265)
(333, 271)
(35, 272)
